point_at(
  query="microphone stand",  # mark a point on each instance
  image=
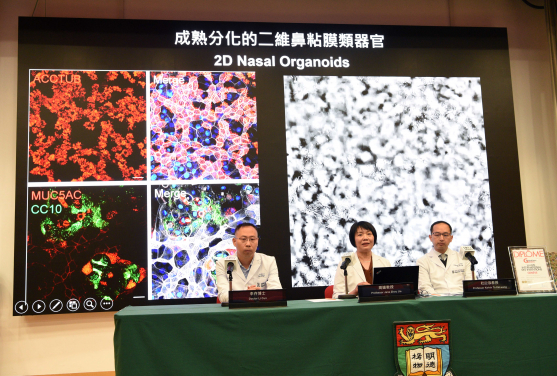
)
(229, 287)
(346, 295)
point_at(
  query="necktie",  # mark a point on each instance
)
(443, 258)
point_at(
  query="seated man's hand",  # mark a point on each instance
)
(253, 287)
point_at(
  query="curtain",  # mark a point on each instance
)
(551, 23)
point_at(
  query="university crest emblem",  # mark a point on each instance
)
(422, 348)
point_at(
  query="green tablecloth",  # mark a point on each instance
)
(490, 336)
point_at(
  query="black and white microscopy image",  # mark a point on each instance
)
(398, 152)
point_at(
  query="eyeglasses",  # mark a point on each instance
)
(245, 240)
(438, 234)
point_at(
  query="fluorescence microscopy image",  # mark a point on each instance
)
(86, 242)
(203, 126)
(398, 152)
(193, 226)
(87, 125)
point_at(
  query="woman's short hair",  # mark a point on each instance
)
(365, 226)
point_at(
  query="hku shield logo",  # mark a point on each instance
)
(422, 348)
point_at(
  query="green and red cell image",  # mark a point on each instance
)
(87, 242)
(87, 126)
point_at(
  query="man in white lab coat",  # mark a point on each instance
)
(255, 271)
(442, 270)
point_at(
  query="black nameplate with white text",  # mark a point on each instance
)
(489, 287)
(374, 293)
(257, 298)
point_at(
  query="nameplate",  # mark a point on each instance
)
(256, 298)
(375, 293)
(489, 287)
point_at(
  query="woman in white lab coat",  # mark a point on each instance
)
(363, 236)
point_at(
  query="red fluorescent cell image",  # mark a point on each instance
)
(87, 125)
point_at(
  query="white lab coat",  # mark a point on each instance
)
(263, 273)
(435, 278)
(355, 273)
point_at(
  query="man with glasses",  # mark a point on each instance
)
(442, 270)
(255, 271)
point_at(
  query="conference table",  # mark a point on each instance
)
(503, 335)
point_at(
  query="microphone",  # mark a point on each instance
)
(230, 267)
(346, 260)
(467, 252)
(231, 263)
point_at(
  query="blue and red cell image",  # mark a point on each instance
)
(87, 126)
(87, 242)
(192, 227)
(203, 126)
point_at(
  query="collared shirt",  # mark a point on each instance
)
(244, 270)
(442, 256)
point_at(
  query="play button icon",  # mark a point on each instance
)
(38, 306)
(21, 307)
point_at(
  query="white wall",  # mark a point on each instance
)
(83, 342)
